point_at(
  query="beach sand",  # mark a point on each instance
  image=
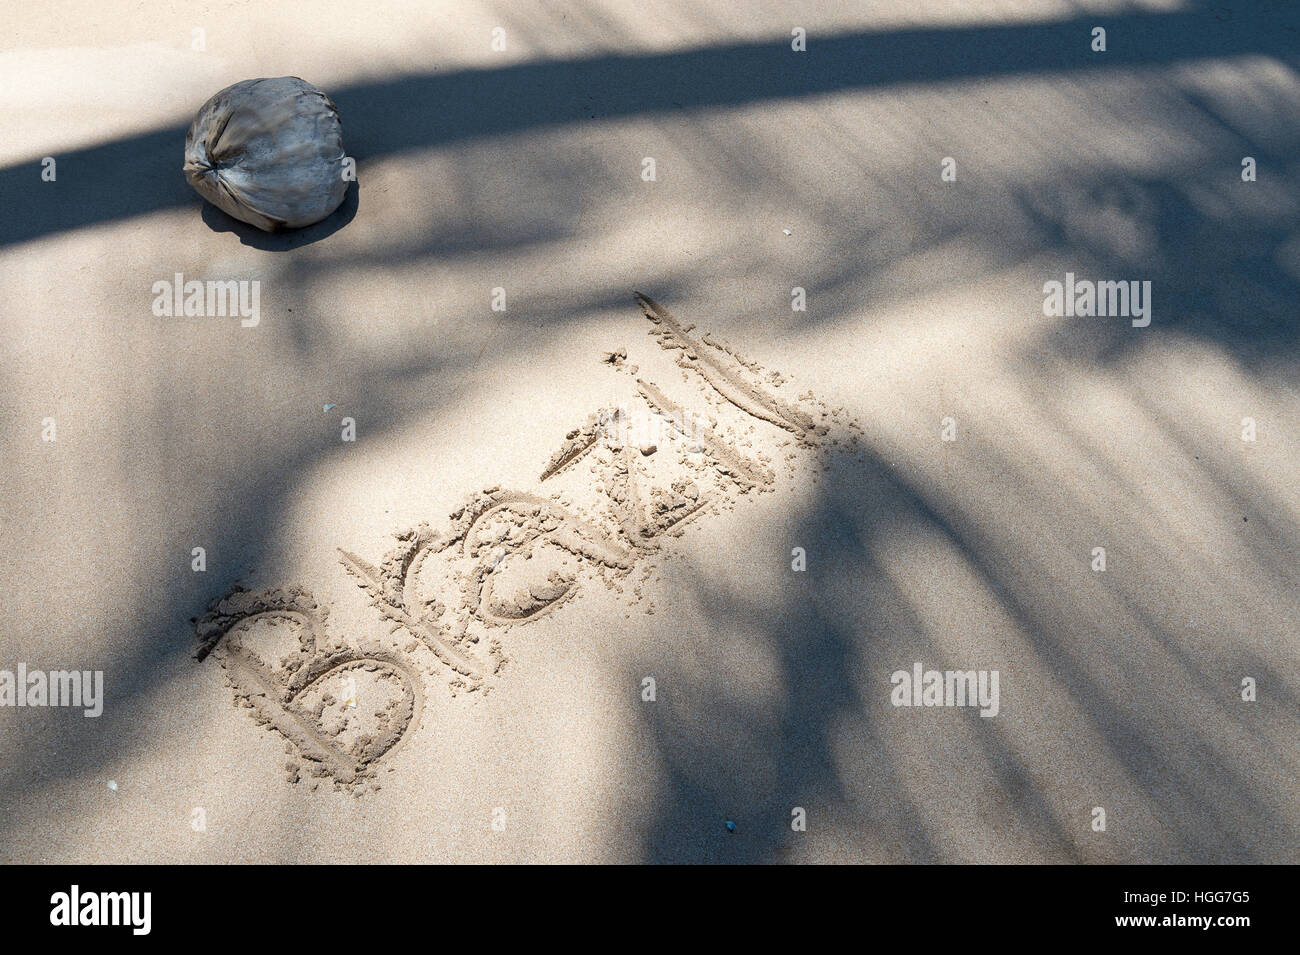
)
(433, 642)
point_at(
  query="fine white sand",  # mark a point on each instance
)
(522, 170)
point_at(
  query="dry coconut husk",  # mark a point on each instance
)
(269, 152)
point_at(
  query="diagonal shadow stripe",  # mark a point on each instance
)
(141, 174)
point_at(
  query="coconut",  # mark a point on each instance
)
(270, 153)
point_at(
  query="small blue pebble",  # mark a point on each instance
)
(731, 826)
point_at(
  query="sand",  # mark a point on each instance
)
(640, 554)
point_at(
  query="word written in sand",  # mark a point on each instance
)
(507, 558)
(308, 694)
